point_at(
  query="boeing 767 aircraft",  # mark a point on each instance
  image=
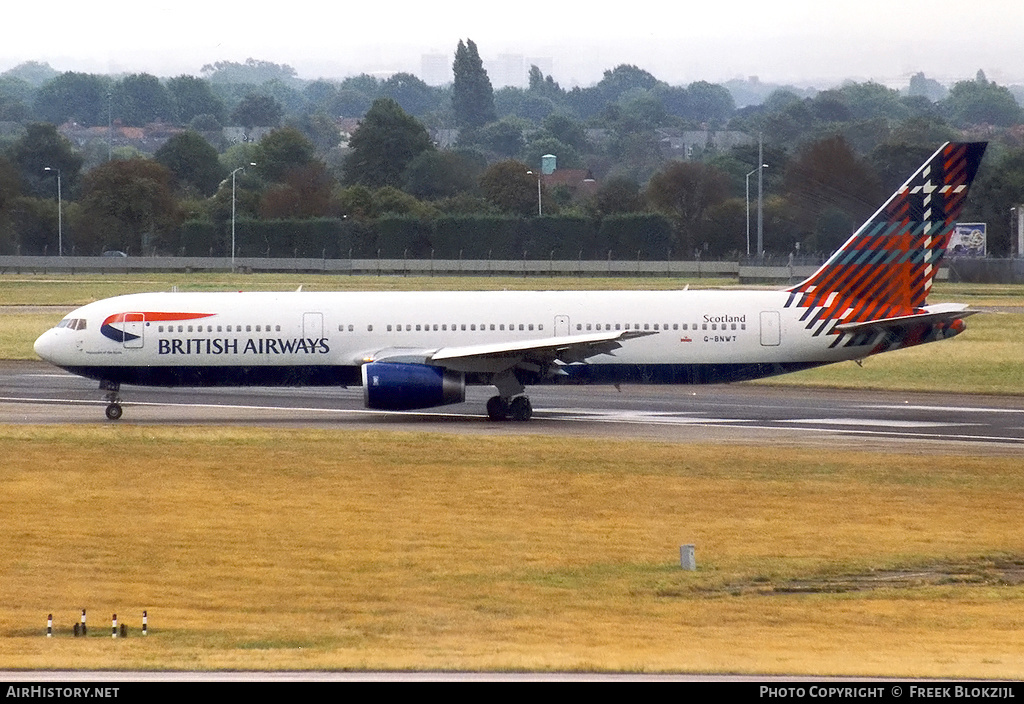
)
(421, 349)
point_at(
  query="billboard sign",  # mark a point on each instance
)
(969, 239)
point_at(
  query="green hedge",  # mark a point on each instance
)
(449, 237)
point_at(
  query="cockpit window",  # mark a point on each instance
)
(73, 323)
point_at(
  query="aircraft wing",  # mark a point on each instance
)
(942, 313)
(498, 356)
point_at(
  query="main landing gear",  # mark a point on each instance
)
(518, 408)
(510, 403)
(113, 400)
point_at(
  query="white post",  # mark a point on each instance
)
(687, 557)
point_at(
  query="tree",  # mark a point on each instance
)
(472, 94)
(127, 205)
(827, 176)
(441, 174)
(257, 110)
(140, 98)
(980, 102)
(193, 161)
(544, 85)
(15, 98)
(193, 97)
(42, 148)
(281, 151)
(508, 186)
(504, 137)
(685, 190)
(921, 85)
(415, 96)
(305, 193)
(79, 97)
(253, 72)
(32, 72)
(10, 190)
(387, 141)
(699, 102)
(618, 194)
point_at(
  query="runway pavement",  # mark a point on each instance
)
(34, 392)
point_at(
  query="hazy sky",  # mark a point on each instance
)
(801, 41)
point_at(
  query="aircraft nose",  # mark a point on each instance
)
(46, 345)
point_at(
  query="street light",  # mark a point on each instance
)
(240, 168)
(762, 166)
(540, 208)
(60, 215)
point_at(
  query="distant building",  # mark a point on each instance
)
(507, 70)
(579, 182)
(436, 69)
(691, 144)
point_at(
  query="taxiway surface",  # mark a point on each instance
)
(34, 392)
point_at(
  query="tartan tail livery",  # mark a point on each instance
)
(872, 291)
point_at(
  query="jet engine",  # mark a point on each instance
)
(399, 386)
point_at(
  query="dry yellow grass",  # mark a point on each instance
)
(316, 549)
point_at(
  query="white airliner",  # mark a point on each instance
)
(420, 350)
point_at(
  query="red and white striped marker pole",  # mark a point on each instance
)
(113, 627)
(49, 626)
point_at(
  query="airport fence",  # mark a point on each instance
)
(752, 271)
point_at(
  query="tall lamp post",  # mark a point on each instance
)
(233, 173)
(60, 215)
(762, 166)
(540, 208)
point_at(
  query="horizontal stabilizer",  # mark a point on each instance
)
(933, 315)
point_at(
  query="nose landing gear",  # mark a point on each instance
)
(114, 410)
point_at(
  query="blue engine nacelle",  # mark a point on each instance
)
(398, 386)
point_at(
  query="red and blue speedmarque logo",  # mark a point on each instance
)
(113, 326)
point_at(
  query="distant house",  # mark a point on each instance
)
(691, 144)
(146, 139)
(579, 182)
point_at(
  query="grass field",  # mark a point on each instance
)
(389, 550)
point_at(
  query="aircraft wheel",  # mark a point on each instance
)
(114, 411)
(520, 409)
(497, 409)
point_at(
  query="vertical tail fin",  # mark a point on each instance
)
(887, 266)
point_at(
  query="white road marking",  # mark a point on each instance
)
(873, 422)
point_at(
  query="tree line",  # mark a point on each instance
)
(455, 169)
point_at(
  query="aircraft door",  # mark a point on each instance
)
(561, 325)
(771, 328)
(313, 326)
(134, 330)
